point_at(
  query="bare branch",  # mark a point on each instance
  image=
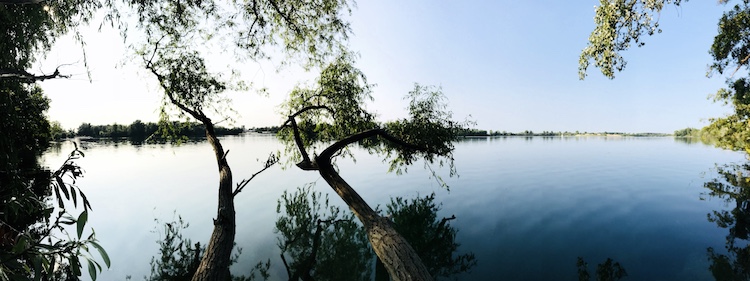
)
(305, 109)
(21, 2)
(27, 77)
(272, 160)
(742, 62)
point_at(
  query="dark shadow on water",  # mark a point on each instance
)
(732, 186)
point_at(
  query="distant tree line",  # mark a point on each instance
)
(266, 130)
(140, 131)
(529, 133)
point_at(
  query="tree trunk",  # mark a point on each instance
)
(215, 263)
(398, 257)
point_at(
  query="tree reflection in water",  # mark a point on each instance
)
(321, 242)
(732, 185)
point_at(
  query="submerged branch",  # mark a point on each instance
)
(329, 152)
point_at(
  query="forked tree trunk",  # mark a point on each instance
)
(215, 263)
(397, 255)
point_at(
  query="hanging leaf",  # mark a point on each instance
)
(102, 252)
(61, 184)
(75, 196)
(82, 222)
(92, 270)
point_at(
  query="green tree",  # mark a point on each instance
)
(332, 112)
(687, 132)
(174, 33)
(623, 23)
(33, 245)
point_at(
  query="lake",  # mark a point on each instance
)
(526, 207)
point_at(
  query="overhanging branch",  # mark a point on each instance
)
(331, 150)
(272, 160)
(27, 77)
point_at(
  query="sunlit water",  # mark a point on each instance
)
(527, 207)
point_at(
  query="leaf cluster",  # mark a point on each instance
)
(32, 28)
(333, 113)
(331, 110)
(429, 131)
(36, 252)
(619, 25)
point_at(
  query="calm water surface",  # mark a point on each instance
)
(527, 207)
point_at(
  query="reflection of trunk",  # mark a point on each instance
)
(215, 262)
(392, 249)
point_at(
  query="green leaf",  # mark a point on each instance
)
(61, 184)
(73, 193)
(82, 222)
(92, 270)
(86, 204)
(21, 244)
(59, 199)
(37, 260)
(75, 265)
(102, 252)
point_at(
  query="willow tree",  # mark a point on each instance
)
(326, 120)
(175, 35)
(33, 241)
(621, 24)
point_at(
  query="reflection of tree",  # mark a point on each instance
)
(607, 271)
(433, 239)
(733, 187)
(321, 242)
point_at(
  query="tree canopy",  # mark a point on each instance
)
(622, 23)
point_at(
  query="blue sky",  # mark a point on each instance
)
(510, 65)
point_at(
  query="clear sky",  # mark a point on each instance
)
(510, 65)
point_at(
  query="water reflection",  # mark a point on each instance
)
(732, 186)
(691, 141)
(322, 242)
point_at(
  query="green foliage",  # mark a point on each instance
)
(433, 239)
(619, 25)
(319, 240)
(334, 111)
(31, 28)
(607, 271)
(312, 30)
(32, 235)
(429, 131)
(139, 132)
(688, 132)
(622, 22)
